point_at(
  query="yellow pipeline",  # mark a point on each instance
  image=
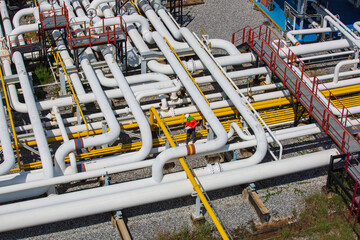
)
(8, 108)
(196, 186)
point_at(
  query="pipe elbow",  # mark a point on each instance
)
(147, 36)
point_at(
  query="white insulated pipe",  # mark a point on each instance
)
(194, 65)
(91, 141)
(339, 65)
(291, 34)
(239, 103)
(357, 26)
(159, 26)
(143, 123)
(32, 180)
(56, 112)
(156, 192)
(221, 135)
(316, 47)
(329, 19)
(6, 145)
(35, 120)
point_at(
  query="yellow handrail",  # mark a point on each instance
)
(8, 108)
(196, 186)
(191, 77)
(58, 60)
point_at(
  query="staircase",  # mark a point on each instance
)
(302, 84)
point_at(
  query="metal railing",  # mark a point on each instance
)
(95, 35)
(270, 40)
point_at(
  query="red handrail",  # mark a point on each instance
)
(250, 34)
(110, 32)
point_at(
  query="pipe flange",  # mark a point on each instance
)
(190, 65)
(91, 13)
(210, 169)
(217, 167)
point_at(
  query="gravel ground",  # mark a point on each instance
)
(218, 19)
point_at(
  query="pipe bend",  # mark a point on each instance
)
(224, 45)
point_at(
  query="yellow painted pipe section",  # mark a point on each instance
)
(196, 186)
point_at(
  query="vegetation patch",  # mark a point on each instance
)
(323, 218)
(42, 75)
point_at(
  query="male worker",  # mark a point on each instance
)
(190, 128)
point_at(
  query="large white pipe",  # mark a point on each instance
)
(159, 26)
(158, 192)
(234, 97)
(105, 107)
(35, 120)
(357, 26)
(61, 125)
(144, 126)
(221, 135)
(194, 65)
(6, 145)
(32, 180)
(174, 29)
(329, 19)
(291, 34)
(339, 65)
(317, 47)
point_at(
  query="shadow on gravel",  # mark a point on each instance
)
(56, 227)
(187, 19)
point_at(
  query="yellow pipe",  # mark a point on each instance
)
(196, 186)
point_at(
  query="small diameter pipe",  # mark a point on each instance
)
(339, 65)
(61, 125)
(157, 192)
(221, 135)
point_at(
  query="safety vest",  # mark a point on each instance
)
(192, 123)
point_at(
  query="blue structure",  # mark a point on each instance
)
(347, 13)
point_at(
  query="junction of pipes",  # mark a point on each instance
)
(123, 76)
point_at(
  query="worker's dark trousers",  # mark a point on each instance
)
(189, 132)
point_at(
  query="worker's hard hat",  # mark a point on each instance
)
(186, 116)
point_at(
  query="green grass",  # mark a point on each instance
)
(42, 75)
